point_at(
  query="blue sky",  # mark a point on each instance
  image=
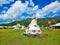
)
(11, 10)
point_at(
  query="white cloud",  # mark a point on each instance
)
(28, 17)
(5, 2)
(53, 7)
(17, 9)
(31, 3)
(11, 0)
(5, 8)
(22, 17)
(7, 22)
(31, 10)
(38, 15)
(4, 22)
(54, 15)
(3, 11)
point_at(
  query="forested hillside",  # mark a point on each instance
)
(41, 21)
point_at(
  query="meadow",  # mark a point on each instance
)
(10, 37)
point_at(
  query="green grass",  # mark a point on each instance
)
(10, 37)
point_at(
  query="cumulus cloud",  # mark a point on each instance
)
(10, 0)
(17, 9)
(54, 15)
(3, 11)
(53, 7)
(23, 17)
(5, 2)
(31, 3)
(31, 10)
(5, 8)
(28, 17)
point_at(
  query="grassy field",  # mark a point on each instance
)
(10, 37)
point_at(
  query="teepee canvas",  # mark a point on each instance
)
(17, 27)
(22, 27)
(33, 27)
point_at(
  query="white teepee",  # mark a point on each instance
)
(33, 28)
(22, 27)
(17, 27)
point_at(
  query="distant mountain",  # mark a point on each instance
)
(41, 21)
